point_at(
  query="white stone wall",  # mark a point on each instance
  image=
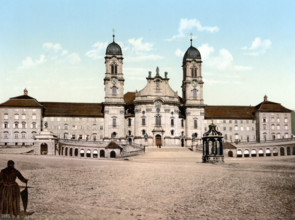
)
(110, 113)
(149, 112)
(193, 114)
(273, 126)
(91, 128)
(29, 124)
(235, 130)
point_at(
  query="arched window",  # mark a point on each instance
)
(114, 90)
(34, 125)
(195, 123)
(143, 132)
(23, 135)
(129, 133)
(16, 135)
(114, 68)
(158, 120)
(114, 134)
(16, 125)
(66, 126)
(114, 122)
(172, 132)
(6, 134)
(172, 122)
(5, 124)
(33, 134)
(195, 94)
(129, 122)
(158, 84)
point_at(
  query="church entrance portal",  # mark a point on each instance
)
(158, 140)
(44, 149)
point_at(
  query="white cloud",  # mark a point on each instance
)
(51, 46)
(28, 62)
(98, 51)
(73, 58)
(205, 51)
(258, 47)
(188, 25)
(225, 61)
(138, 45)
(179, 53)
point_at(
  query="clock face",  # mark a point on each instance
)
(194, 83)
(114, 81)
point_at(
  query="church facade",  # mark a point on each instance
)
(155, 115)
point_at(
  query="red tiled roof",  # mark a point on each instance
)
(21, 101)
(73, 109)
(129, 98)
(268, 106)
(230, 112)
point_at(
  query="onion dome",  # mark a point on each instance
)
(113, 48)
(191, 53)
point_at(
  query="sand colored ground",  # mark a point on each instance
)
(161, 184)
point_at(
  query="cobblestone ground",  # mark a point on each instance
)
(161, 184)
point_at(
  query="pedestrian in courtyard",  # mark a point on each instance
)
(10, 192)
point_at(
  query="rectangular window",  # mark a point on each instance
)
(34, 117)
(143, 121)
(195, 124)
(224, 128)
(6, 116)
(182, 123)
(23, 135)
(114, 123)
(129, 122)
(172, 122)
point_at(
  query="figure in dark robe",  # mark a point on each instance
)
(10, 192)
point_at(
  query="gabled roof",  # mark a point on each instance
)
(72, 109)
(267, 106)
(21, 101)
(230, 112)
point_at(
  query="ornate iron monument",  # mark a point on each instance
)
(212, 145)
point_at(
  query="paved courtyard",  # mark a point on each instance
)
(166, 183)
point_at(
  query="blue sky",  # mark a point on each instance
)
(56, 49)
